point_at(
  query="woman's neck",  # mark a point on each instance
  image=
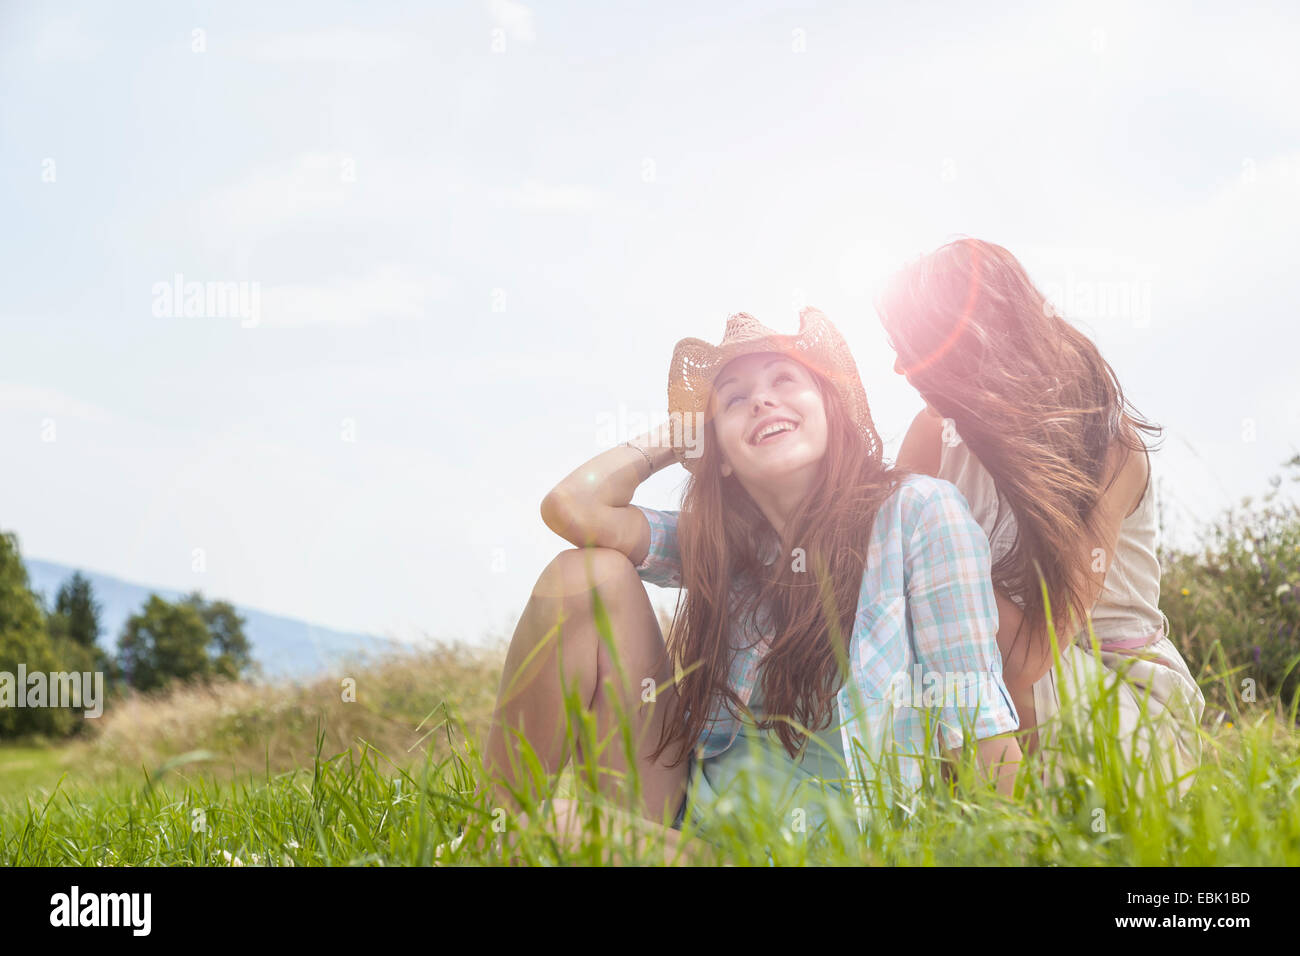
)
(779, 500)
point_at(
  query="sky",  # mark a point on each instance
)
(443, 252)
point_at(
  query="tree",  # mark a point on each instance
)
(192, 640)
(228, 647)
(76, 612)
(74, 629)
(163, 642)
(25, 641)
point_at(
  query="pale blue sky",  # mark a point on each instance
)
(472, 260)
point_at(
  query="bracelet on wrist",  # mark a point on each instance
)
(649, 461)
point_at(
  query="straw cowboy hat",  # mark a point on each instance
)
(818, 345)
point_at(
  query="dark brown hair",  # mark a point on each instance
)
(1032, 398)
(723, 535)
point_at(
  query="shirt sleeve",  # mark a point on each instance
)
(954, 619)
(663, 562)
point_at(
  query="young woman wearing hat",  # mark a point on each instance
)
(814, 577)
(1028, 420)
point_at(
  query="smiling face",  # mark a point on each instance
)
(769, 419)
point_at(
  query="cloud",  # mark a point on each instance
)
(548, 197)
(1209, 268)
(331, 46)
(387, 292)
(47, 402)
(325, 186)
(279, 194)
(515, 18)
(63, 38)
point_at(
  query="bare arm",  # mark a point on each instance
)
(922, 444)
(592, 506)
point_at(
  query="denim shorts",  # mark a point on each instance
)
(716, 776)
(680, 819)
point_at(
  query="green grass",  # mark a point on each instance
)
(256, 776)
(360, 806)
(26, 767)
(358, 809)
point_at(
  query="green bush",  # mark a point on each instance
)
(1234, 606)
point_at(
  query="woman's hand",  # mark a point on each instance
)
(591, 507)
(998, 760)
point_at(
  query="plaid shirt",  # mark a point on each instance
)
(923, 658)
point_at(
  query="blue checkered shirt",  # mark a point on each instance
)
(923, 657)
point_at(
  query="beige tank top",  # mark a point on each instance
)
(1128, 608)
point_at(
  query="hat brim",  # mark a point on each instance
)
(696, 365)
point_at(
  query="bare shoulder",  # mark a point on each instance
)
(1127, 471)
(921, 446)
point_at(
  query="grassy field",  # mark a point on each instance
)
(379, 765)
(243, 775)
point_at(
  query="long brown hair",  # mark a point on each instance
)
(723, 536)
(1032, 398)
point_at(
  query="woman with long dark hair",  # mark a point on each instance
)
(1029, 421)
(822, 591)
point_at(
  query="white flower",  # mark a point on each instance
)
(236, 861)
(454, 845)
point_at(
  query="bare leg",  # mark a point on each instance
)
(1023, 698)
(530, 697)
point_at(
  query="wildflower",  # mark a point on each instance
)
(1186, 592)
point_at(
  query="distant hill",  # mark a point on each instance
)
(287, 648)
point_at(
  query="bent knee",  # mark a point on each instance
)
(573, 573)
